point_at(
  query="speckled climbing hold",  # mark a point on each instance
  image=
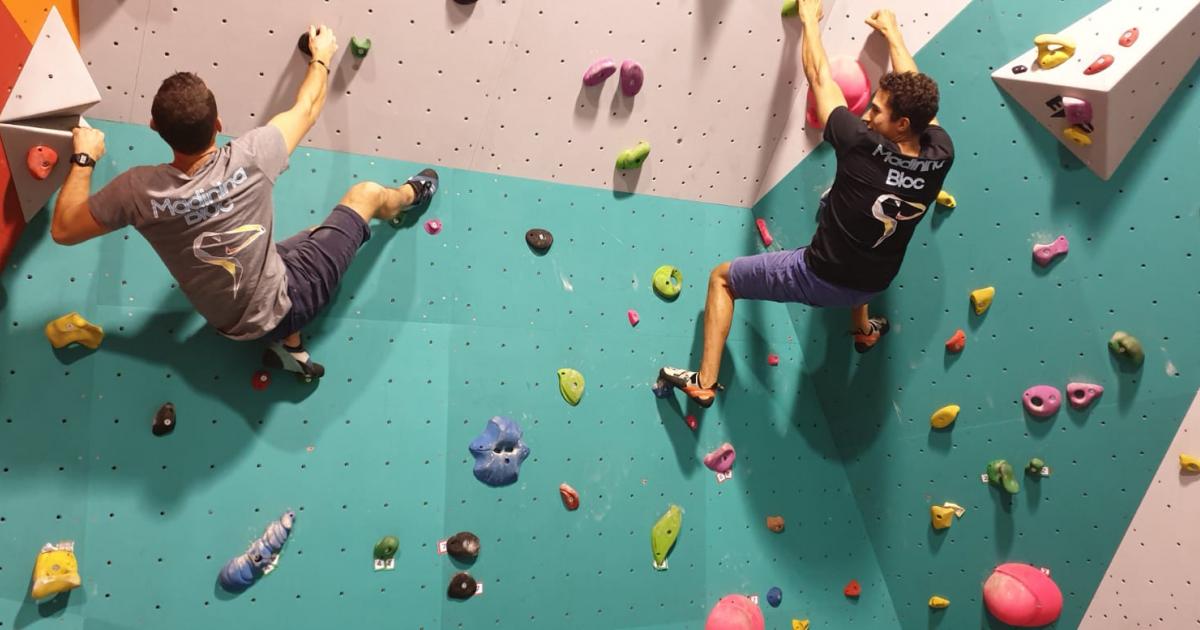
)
(55, 570)
(957, 341)
(763, 232)
(1127, 347)
(852, 589)
(944, 417)
(40, 161)
(721, 458)
(942, 517)
(633, 157)
(462, 586)
(463, 546)
(790, 8)
(499, 452)
(735, 612)
(981, 299)
(1035, 466)
(600, 70)
(259, 559)
(164, 420)
(775, 596)
(360, 47)
(1077, 110)
(1043, 254)
(1101, 64)
(799, 624)
(260, 380)
(1128, 38)
(1019, 69)
(1053, 50)
(668, 281)
(570, 497)
(691, 422)
(1042, 401)
(775, 523)
(1081, 395)
(433, 226)
(1078, 135)
(1022, 595)
(386, 548)
(634, 318)
(632, 77)
(570, 385)
(1188, 463)
(663, 535)
(1000, 474)
(938, 602)
(772, 359)
(73, 328)
(539, 240)
(944, 198)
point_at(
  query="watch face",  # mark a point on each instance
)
(82, 159)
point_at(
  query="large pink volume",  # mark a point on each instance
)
(735, 612)
(856, 87)
(1022, 595)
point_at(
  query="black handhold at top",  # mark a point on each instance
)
(539, 239)
(303, 45)
(463, 545)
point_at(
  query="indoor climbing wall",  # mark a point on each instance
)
(1132, 266)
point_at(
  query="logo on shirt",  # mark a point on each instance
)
(220, 249)
(205, 204)
(890, 210)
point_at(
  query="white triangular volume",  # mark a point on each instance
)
(1127, 94)
(18, 138)
(55, 80)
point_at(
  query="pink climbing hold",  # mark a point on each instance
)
(852, 78)
(691, 422)
(721, 458)
(632, 77)
(764, 232)
(433, 226)
(1099, 65)
(772, 359)
(1129, 37)
(1078, 111)
(1022, 595)
(1081, 395)
(1045, 253)
(600, 70)
(1042, 401)
(735, 612)
(633, 317)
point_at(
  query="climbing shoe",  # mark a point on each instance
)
(424, 185)
(292, 359)
(688, 382)
(865, 340)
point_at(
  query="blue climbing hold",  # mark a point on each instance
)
(259, 559)
(774, 597)
(499, 452)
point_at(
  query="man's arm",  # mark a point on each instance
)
(816, 64)
(884, 21)
(73, 222)
(296, 122)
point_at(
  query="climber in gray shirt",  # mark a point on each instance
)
(209, 213)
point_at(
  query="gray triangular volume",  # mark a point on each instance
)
(55, 80)
(18, 138)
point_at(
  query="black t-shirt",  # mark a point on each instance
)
(878, 198)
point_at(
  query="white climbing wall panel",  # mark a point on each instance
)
(496, 87)
(1151, 582)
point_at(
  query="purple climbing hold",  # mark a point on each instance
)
(1019, 69)
(632, 77)
(1081, 395)
(1079, 111)
(1042, 401)
(499, 452)
(721, 459)
(775, 596)
(1043, 254)
(600, 70)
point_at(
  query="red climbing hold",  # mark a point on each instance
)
(570, 497)
(41, 160)
(260, 380)
(1129, 37)
(764, 232)
(691, 422)
(853, 589)
(1099, 65)
(957, 342)
(772, 359)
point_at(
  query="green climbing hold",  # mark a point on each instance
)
(1127, 346)
(570, 385)
(668, 281)
(360, 47)
(791, 8)
(1000, 474)
(1035, 466)
(387, 547)
(633, 158)
(663, 535)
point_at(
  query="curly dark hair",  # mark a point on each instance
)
(913, 95)
(185, 113)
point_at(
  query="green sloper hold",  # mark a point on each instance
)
(570, 385)
(633, 158)
(663, 535)
(790, 8)
(360, 47)
(387, 547)
(1000, 474)
(1128, 347)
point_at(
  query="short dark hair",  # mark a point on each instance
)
(185, 113)
(913, 95)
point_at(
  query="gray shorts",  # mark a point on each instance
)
(785, 277)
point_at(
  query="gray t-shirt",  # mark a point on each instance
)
(213, 229)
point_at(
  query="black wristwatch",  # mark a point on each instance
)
(83, 159)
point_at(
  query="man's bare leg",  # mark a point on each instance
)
(376, 201)
(859, 319)
(718, 315)
(867, 331)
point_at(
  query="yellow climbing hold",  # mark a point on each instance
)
(73, 328)
(1076, 134)
(944, 417)
(1053, 50)
(941, 516)
(946, 199)
(799, 624)
(55, 570)
(981, 299)
(938, 602)
(1189, 463)
(570, 385)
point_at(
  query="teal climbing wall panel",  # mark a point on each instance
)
(1132, 266)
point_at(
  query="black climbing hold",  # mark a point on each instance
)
(463, 546)
(1019, 69)
(302, 45)
(465, 1)
(164, 420)
(538, 239)
(462, 586)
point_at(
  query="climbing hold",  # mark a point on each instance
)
(259, 559)
(1128, 37)
(433, 226)
(957, 341)
(360, 47)
(570, 385)
(570, 497)
(1042, 401)
(164, 420)
(853, 589)
(41, 160)
(981, 299)
(539, 239)
(799, 624)
(668, 281)
(1078, 135)
(1077, 110)
(1035, 466)
(55, 570)
(690, 420)
(633, 157)
(387, 547)
(1081, 395)
(1022, 595)
(775, 523)
(1000, 474)
(1099, 65)
(302, 45)
(260, 380)
(1053, 50)
(772, 359)
(462, 586)
(499, 452)
(944, 417)
(851, 77)
(1019, 69)
(663, 535)
(1127, 346)
(73, 328)
(721, 458)
(1043, 254)
(790, 8)
(600, 70)
(735, 612)
(942, 517)
(775, 596)
(634, 318)
(463, 546)
(938, 602)
(632, 77)
(763, 232)
(946, 199)
(1189, 463)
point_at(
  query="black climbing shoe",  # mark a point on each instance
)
(295, 360)
(687, 381)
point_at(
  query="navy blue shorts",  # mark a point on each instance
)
(316, 260)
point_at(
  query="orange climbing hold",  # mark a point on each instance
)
(853, 589)
(956, 342)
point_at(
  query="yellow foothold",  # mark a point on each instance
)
(1189, 463)
(941, 516)
(799, 624)
(55, 570)
(938, 602)
(73, 328)
(1053, 50)
(981, 299)
(1076, 134)
(944, 417)
(946, 199)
